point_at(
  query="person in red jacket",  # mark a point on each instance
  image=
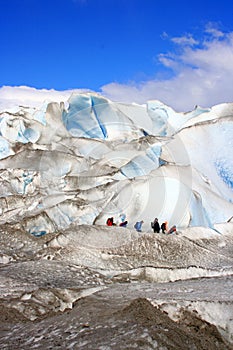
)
(172, 230)
(110, 222)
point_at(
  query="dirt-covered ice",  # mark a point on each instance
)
(95, 287)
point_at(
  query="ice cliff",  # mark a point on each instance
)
(89, 158)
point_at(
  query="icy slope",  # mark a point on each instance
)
(89, 158)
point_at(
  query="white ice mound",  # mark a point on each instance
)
(90, 158)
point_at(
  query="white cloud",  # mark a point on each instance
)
(185, 40)
(202, 75)
(167, 60)
(11, 96)
(212, 30)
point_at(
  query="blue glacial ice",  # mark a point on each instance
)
(14, 130)
(143, 164)
(80, 120)
(5, 150)
(224, 169)
(93, 116)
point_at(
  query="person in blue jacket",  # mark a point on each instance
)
(138, 226)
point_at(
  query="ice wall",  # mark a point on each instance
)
(89, 158)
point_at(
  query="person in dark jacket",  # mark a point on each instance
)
(164, 227)
(156, 226)
(124, 224)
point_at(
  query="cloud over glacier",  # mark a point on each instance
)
(202, 73)
(197, 72)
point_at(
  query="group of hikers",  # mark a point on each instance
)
(138, 225)
(164, 227)
(122, 223)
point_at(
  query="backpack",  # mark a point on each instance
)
(152, 225)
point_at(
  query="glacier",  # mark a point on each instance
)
(65, 167)
(101, 158)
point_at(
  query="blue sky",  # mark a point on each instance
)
(129, 50)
